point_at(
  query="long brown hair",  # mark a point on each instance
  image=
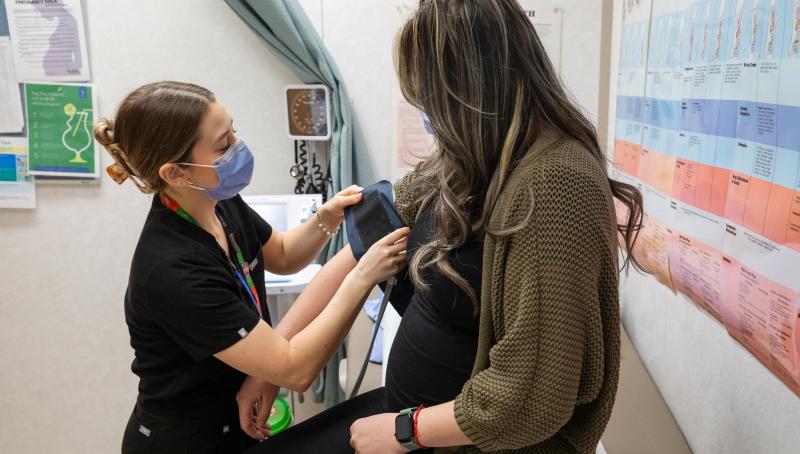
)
(156, 124)
(479, 71)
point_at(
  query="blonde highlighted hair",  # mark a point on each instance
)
(479, 71)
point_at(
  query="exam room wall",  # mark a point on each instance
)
(65, 383)
(65, 379)
(723, 399)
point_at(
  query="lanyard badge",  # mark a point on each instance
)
(242, 274)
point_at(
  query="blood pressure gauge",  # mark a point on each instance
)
(307, 111)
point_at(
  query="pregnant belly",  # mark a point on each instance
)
(429, 361)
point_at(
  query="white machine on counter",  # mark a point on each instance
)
(284, 212)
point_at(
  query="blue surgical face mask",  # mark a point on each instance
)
(427, 122)
(234, 169)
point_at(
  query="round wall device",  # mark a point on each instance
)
(308, 113)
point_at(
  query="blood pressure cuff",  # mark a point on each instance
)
(372, 219)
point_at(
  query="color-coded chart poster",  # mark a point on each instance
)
(651, 248)
(631, 85)
(708, 126)
(760, 300)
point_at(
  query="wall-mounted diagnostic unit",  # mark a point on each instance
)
(308, 112)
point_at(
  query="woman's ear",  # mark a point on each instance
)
(174, 175)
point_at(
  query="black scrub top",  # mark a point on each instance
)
(184, 304)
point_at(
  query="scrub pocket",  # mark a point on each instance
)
(152, 434)
(226, 439)
(138, 439)
(144, 435)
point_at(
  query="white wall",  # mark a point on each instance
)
(723, 399)
(360, 36)
(65, 380)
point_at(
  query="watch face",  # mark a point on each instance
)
(404, 428)
(307, 112)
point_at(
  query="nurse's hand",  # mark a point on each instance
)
(384, 259)
(255, 399)
(331, 213)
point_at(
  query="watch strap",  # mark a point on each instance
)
(411, 445)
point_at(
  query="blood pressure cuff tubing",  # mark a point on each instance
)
(372, 219)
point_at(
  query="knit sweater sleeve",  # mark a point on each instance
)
(406, 200)
(529, 390)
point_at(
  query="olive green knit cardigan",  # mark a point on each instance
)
(546, 371)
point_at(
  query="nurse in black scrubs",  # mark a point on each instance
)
(209, 363)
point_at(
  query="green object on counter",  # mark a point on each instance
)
(281, 416)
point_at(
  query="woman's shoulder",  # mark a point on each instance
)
(558, 161)
(557, 171)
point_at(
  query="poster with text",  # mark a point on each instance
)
(718, 161)
(60, 140)
(17, 189)
(49, 40)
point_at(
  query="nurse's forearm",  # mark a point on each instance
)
(265, 354)
(311, 348)
(303, 244)
(295, 363)
(317, 294)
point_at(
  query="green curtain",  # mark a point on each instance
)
(288, 33)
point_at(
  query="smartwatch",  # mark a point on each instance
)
(404, 429)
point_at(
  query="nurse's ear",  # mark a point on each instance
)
(174, 175)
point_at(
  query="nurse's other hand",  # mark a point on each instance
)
(255, 399)
(384, 259)
(332, 212)
(375, 435)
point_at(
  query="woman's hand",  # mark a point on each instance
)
(384, 259)
(255, 399)
(331, 213)
(375, 435)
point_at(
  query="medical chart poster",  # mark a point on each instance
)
(49, 40)
(652, 241)
(60, 140)
(17, 189)
(11, 119)
(631, 86)
(718, 162)
(759, 302)
(546, 17)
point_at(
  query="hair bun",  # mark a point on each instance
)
(104, 131)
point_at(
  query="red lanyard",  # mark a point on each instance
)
(244, 276)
